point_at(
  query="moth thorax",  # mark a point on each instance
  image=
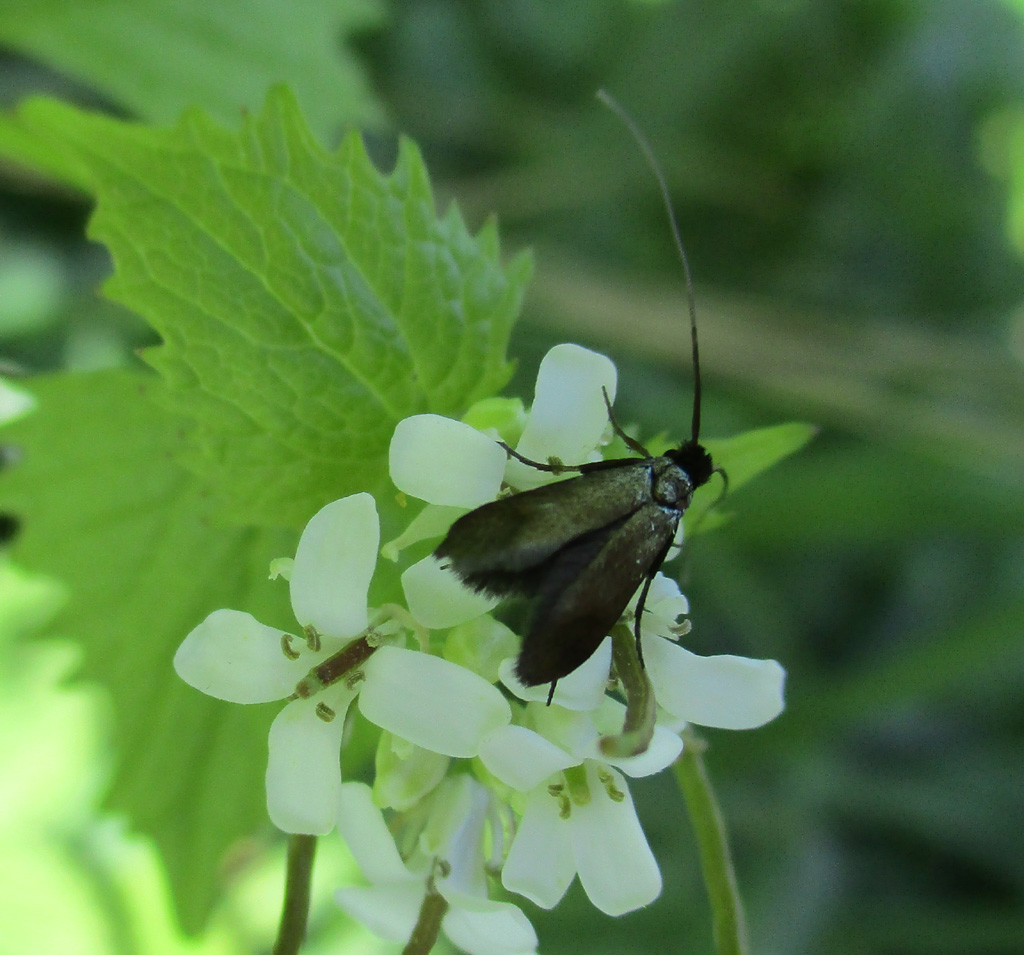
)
(671, 485)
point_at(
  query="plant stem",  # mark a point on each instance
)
(641, 706)
(730, 928)
(428, 925)
(295, 913)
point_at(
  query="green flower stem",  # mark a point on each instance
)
(292, 930)
(730, 926)
(641, 706)
(428, 925)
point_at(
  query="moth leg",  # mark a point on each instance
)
(640, 604)
(553, 468)
(551, 692)
(636, 620)
(631, 443)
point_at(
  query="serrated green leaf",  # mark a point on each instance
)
(306, 301)
(155, 58)
(108, 512)
(743, 457)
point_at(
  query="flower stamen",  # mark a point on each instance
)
(608, 781)
(353, 679)
(324, 712)
(681, 629)
(312, 636)
(286, 647)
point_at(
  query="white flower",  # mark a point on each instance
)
(724, 691)
(569, 416)
(422, 699)
(579, 816)
(449, 860)
(451, 465)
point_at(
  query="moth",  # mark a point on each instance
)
(579, 549)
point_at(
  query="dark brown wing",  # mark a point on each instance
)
(490, 548)
(581, 591)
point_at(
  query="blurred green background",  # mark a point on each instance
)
(849, 179)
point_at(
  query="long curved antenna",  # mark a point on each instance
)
(645, 148)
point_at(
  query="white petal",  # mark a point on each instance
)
(723, 691)
(445, 461)
(389, 911)
(234, 657)
(433, 521)
(430, 702)
(451, 806)
(333, 566)
(405, 773)
(521, 758)
(481, 645)
(617, 869)
(483, 927)
(571, 730)
(662, 751)
(438, 599)
(568, 416)
(583, 689)
(367, 836)
(303, 771)
(455, 833)
(665, 588)
(540, 863)
(664, 606)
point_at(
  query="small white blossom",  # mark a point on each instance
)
(569, 416)
(724, 691)
(585, 826)
(579, 816)
(448, 859)
(427, 701)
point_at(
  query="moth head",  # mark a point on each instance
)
(694, 460)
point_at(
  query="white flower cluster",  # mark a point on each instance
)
(535, 801)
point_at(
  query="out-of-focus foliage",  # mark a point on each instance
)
(848, 179)
(154, 57)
